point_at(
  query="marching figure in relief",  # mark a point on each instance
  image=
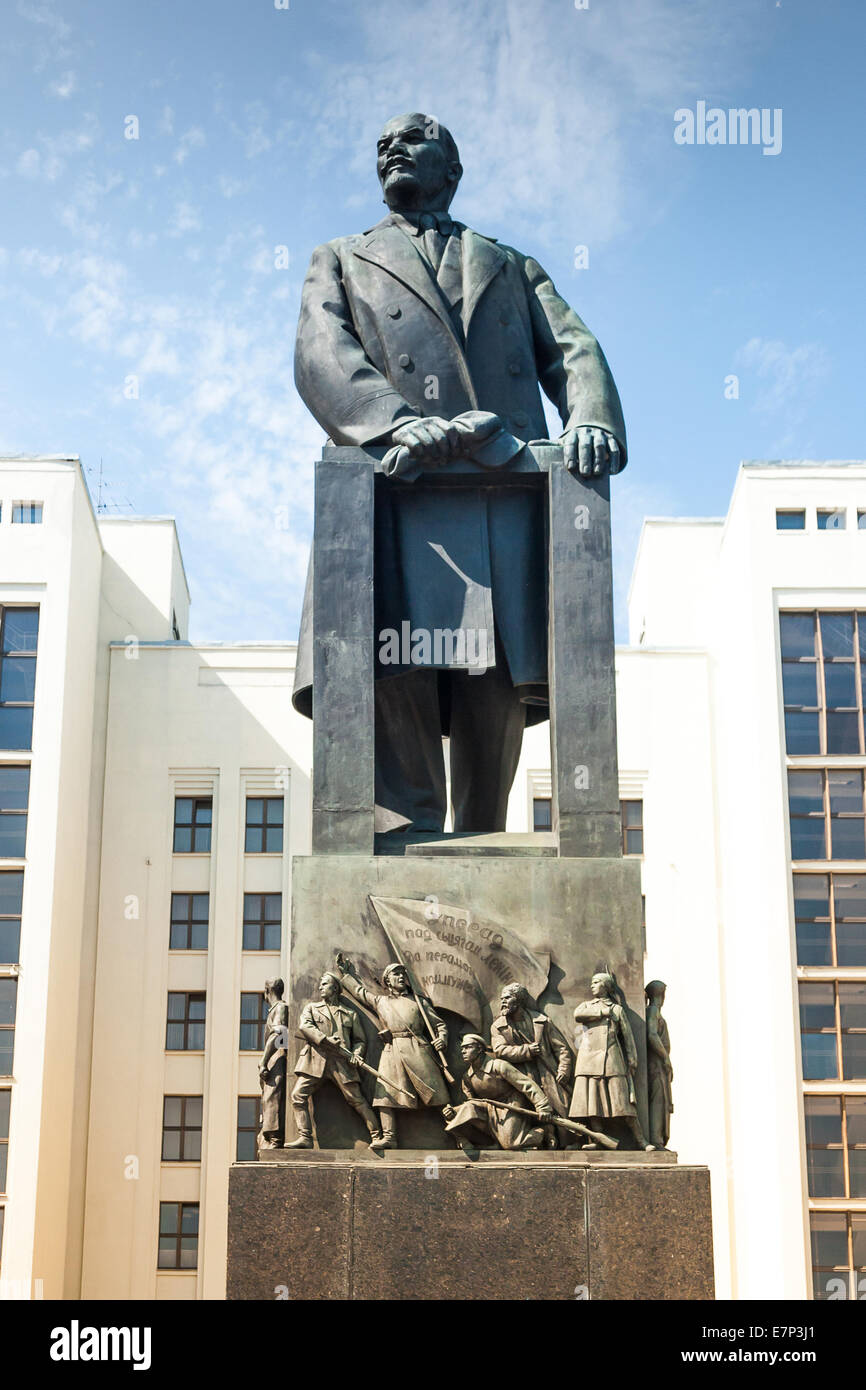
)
(333, 1051)
(410, 1075)
(272, 1068)
(660, 1073)
(493, 1079)
(526, 1038)
(606, 1061)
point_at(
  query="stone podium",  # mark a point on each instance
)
(430, 1220)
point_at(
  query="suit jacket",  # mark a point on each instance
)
(376, 334)
(318, 1022)
(605, 1045)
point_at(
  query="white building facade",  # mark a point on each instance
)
(148, 822)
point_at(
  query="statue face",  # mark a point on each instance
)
(509, 1003)
(598, 987)
(412, 165)
(469, 1051)
(398, 981)
(327, 988)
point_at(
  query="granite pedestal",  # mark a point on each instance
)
(411, 1225)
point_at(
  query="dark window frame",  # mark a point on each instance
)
(10, 1027)
(832, 722)
(831, 820)
(259, 924)
(186, 1021)
(544, 804)
(798, 514)
(176, 1229)
(18, 654)
(188, 921)
(258, 832)
(853, 1274)
(248, 1130)
(838, 1031)
(632, 832)
(31, 505)
(835, 924)
(199, 825)
(184, 1130)
(5, 1116)
(250, 1021)
(12, 917)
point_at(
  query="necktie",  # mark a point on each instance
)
(435, 231)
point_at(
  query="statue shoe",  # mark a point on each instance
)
(376, 1139)
(305, 1142)
(387, 1141)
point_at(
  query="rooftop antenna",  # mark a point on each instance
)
(99, 489)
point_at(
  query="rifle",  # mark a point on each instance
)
(573, 1126)
(365, 1066)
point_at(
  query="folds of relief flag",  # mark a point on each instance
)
(459, 961)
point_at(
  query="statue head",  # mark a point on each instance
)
(514, 997)
(329, 986)
(395, 978)
(655, 992)
(602, 984)
(273, 990)
(472, 1047)
(417, 163)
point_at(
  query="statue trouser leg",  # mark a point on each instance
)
(389, 1129)
(303, 1090)
(410, 767)
(487, 723)
(352, 1093)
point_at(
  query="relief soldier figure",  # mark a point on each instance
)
(409, 1073)
(492, 1078)
(427, 338)
(528, 1039)
(660, 1073)
(334, 1049)
(606, 1061)
(272, 1068)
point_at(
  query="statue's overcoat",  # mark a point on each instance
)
(379, 342)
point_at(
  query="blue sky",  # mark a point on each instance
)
(154, 258)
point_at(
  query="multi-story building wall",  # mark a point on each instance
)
(184, 777)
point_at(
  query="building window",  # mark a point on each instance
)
(861, 519)
(262, 921)
(185, 1024)
(823, 666)
(19, 629)
(249, 1118)
(8, 1002)
(836, 1146)
(181, 1129)
(27, 513)
(542, 813)
(254, 1013)
(193, 818)
(830, 913)
(838, 1254)
(632, 826)
(178, 1235)
(833, 1030)
(264, 825)
(14, 794)
(831, 518)
(827, 814)
(791, 520)
(11, 893)
(5, 1106)
(189, 920)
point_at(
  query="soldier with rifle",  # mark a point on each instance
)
(334, 1051)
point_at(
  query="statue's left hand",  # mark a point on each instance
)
(591, 451)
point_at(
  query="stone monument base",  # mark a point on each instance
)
(410, 1225)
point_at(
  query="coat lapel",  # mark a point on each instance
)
(391, 249)
(482, 259)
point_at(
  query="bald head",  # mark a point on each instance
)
(418, 164)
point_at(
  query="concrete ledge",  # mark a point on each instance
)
(405, 1228)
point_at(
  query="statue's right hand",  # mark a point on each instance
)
(429, 439)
